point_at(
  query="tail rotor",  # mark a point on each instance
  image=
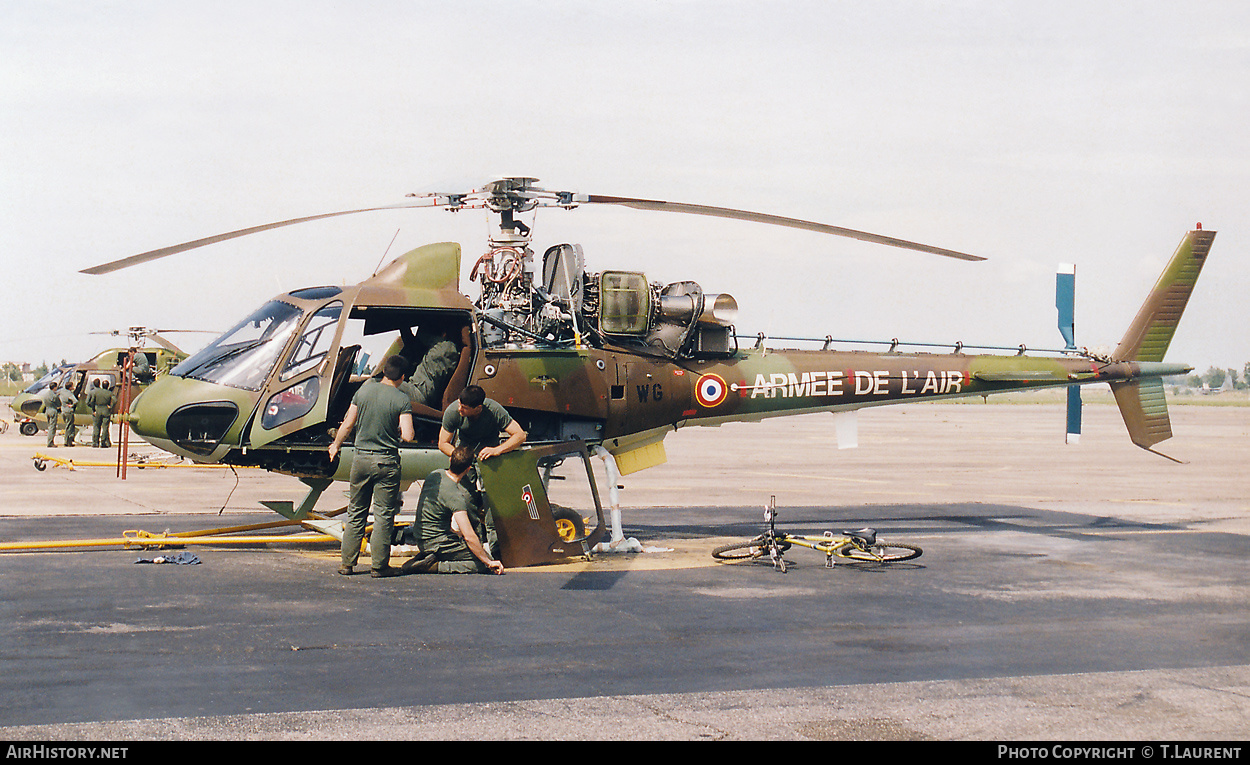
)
(1065, 302)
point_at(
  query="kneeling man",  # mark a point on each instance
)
(451, 526)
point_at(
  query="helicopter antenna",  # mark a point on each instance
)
(388, 249)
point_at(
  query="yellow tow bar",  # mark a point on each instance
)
(145, 539)
(42, 461)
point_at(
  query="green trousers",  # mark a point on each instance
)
(374, 480)
(100, 430)
(71, 429)
(52, 418)
(461, 560)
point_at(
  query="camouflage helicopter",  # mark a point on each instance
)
(586, 361)
(106, 367)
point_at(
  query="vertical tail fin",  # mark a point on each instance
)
(1149, 335)
(1141, 401)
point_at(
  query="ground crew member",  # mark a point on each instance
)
(381, 415)
(475, 422)
(51, 399)
(454, 537)
(142, 368)
(435, 369)
(100, 399)
(68, 402)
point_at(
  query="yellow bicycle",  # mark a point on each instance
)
(861, 546)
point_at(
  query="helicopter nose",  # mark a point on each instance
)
(186, 415)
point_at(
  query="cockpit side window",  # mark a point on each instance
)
(312, 347)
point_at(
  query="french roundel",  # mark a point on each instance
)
(711, 390)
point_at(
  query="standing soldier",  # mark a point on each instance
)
(68, 402)
(381, 414)
(51, 405)
(100, 399)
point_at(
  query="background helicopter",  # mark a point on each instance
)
(607, 359)
(105, 366)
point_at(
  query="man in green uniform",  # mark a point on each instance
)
(435, 367)
(142, 369)
(68, 402)
(475, 422)
(100, 399)
(454, 538)
(381, 415)
(51, 399)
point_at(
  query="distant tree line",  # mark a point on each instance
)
(1214, 378)
(12, 373)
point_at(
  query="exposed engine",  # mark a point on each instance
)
(565, 305)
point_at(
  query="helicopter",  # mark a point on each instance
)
(105, 367)
(588, 363)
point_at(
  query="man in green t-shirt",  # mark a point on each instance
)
(454, 537)
(475, 422)
(381, 415)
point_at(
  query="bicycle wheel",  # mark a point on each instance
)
(741, 550)
(753, 548)
(883, 553)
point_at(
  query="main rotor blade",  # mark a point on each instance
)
(144, 257)
(776, 220)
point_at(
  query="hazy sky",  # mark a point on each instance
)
(1030, 133)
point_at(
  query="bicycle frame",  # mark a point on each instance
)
(830, 545)
(861, 546)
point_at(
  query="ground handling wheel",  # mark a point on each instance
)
(569, 524)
